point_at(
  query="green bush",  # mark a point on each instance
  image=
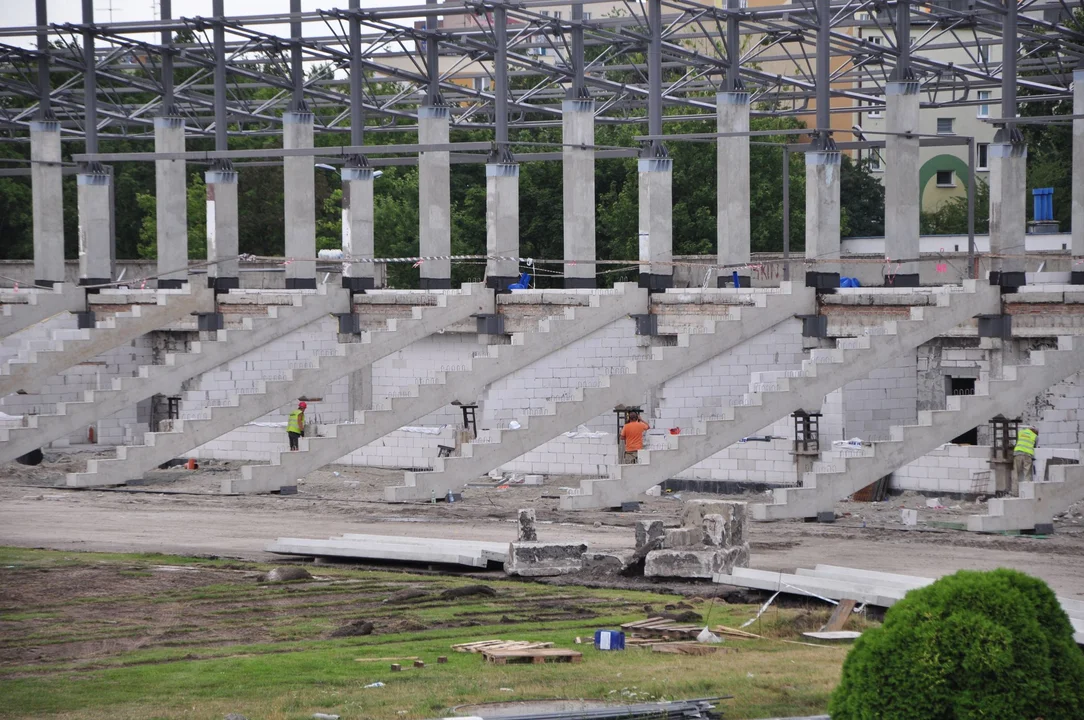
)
(991, 645)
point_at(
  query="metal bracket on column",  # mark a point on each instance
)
(646, 324)
(822, 282)
(1076, 277)
(171, 284)
(222, 285)
(909, 280)
(349, 323)
(210, 321)
(490, 323)
(85, 320)
(1009, 282)
(995, 326)
(814, 326)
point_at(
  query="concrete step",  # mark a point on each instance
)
(197, 428)
(840, 474)
(30, 373)
(825, 371)
(40, 304)
(713, 338)
(498, 361)
(1037, 504)
(167, 379)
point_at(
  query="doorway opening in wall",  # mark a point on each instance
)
(963, 386)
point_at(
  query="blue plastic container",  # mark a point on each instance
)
(609, 640)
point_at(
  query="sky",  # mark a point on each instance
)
(21, 13)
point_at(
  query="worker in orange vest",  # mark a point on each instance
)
(633, 436)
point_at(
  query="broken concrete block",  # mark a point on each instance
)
(684, 563)
(649, 534)
(910, 517)
(714, 530)
(733, 512)
(527, 532)
(734, 557)
(535, 559)
(682, 537)
(610, 563)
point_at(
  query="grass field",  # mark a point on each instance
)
(137, 636)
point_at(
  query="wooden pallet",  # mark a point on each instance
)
(540, 655)
(483, 645)
(661, 627)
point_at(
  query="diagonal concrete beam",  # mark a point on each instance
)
(133, 461)
(742, 323)
(168, 378)
(775, 394)
(837, 480)
(30, 372)
(554, 333)
(40, 305)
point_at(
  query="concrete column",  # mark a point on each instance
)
(299, 175)
(1008, 208)
(902, 181)
(358, 228)
(656, 223)
(1077, 251)
(579, 192)
(95, 205)
(434, 200)
(822, 170)
(222, 229)
(502, 224)
(47, 202)
(733, 185)
(171, 203)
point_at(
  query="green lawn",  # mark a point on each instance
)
(139, 636)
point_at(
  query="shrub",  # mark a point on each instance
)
(971, 645)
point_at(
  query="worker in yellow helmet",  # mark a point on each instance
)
(295, 427)
(1023, 457)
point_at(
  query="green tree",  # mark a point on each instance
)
(862, 201)
(950, 218)
(971, 646)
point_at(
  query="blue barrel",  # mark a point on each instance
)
(609, 640)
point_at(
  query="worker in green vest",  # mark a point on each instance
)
(295, 427)
(1023, 457)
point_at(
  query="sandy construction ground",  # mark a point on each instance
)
(181, 512)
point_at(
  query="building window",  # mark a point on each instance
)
(984, 109)
(945, 126)
(946, 179)
(874, 113)
(556, 14)
(587, 16)
(875, 162)
(982, 157)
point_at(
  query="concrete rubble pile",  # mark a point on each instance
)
(712, 539)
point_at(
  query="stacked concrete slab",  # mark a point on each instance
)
(168, 378)
(775, 394)
(693, 348)
(266, 396)
(840, 473)
(489, 365)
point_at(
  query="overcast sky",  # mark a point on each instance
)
(21, 13)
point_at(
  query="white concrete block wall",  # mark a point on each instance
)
(39, 334)
(948, 469)
(588, 456)
(1060, 414)
(889, 396)
(419, 363)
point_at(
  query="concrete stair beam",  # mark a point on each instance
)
(841, 476)
(217, 420)
(743, 323)
(495, 551)
(1037, 504)
(112, 332)
(168, 378)
(554, 333)
(41, 304)
(825, 371)
(860, 591)
(438, 551)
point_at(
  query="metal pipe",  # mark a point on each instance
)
(971, 192)
(786, 213)
(1009, 43)
(357, 107)
(166, 11)
(903, 40)
(432, 58)
(500, 74)
(45, 110)
(90, 79)
(654, 71)
(579, 89)
(297, 72)
(824, 71)
(219, 41)
(733, 48)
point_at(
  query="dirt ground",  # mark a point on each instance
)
(181, 512)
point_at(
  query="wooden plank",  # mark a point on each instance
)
(540, 655)
(840, 616)
(689, 648)
(734, 632)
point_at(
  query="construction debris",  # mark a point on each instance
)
(535, 559)
(536, 657)
(480, 645)
(392, 547)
